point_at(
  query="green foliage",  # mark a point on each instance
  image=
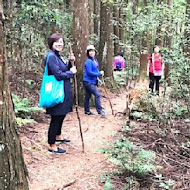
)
(167, 184)
(21, 121)
(163, 183)
(23, 110)
(23, 106)
(108, 185)
(131, 157)
(30, 83)
(120, 77)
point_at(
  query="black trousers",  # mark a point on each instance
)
(55, 127)
(153, 80)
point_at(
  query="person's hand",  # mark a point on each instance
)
(71, 57)
(73, 70)
(102, 73)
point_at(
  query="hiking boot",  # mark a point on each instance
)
(58, 151)
(102, 113)
(88, 113)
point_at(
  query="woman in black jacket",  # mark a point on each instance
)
(62, 70)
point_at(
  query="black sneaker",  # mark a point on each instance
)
(89, 113)
(58, 151)
(63, 141)
(102, 113)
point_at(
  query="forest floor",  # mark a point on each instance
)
(86, 171)
(77, 170)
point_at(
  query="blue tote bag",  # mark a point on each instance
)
(51, 92)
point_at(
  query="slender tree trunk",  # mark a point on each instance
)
(90, 16)
(159, 34)
(116, 29)
(12, 167)
(168, 44)
(135, 6)
(187, 30)
(97, 17)
(143, 56)
(80, 39)
(106, 46)
(121, 25)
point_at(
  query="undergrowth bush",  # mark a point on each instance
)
(23, 110)
(131, 157)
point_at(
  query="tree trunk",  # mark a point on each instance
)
(187, 30)
(145, 43)
(116, 29)
(135, 6)
(97, 17)
(121, 25)
(106, 46)
(90, 16)
(168, 44)
(80, 39)
(12, 167)
(143, 67)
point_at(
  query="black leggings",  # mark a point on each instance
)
(55, 127)
(154, 79)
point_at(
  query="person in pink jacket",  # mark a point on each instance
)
(119, 62)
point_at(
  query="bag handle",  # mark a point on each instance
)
(46, 64)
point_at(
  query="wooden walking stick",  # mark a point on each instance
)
(76, 99)
(107, 94)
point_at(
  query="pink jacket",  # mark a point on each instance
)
(119, 59)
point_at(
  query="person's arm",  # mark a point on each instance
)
(89, 71)
(55, 69)
(148, 65)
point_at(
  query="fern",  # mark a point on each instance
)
(22, 122)
(131, 157)
(23, 105)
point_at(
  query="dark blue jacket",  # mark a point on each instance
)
(61, 70)
(91, 71)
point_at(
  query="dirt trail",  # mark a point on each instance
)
(80, 171)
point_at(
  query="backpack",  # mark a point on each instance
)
(118, 65)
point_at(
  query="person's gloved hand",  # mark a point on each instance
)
(102, 73)
(73, 69)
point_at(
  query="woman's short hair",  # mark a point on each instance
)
(54, 38)
(120, 53)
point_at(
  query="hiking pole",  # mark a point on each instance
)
(107, 94)
(76, 99)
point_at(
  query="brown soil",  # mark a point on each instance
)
(74, 170)
(85, 171)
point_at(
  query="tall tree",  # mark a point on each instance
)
(97, 17)
(80, 39)
(13, 171)
(106, 43)
(90, 17)
(116, 28)
(187, 29)
(168, 40)
(143, 54)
